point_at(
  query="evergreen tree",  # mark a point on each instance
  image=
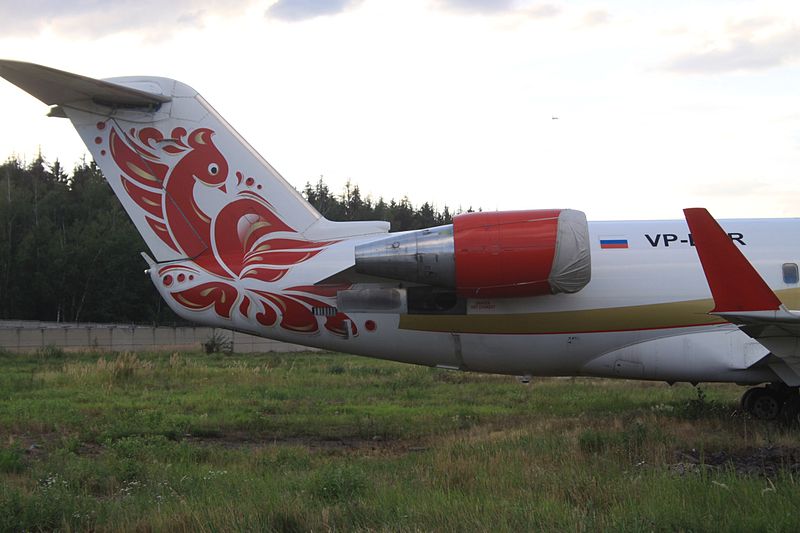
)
(68, 251)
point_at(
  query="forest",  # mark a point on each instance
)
(69, 252)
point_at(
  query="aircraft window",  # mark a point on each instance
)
(790, 273)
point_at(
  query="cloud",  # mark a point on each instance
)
(743, 52)
(96, 18)
(479, 6)
(296, 10)
(748, 26)
(542, 11)
(501, 7)
(597, 17)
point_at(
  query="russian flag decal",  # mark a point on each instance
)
(613, 243)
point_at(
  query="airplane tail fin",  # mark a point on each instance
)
(192, 185)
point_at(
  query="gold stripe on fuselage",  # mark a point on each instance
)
(628, 318)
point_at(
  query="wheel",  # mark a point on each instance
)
(765, 404)
(746, 402)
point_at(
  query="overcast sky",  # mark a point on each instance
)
(620, 109)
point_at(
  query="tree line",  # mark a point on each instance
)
(351, 205)
(69, 252)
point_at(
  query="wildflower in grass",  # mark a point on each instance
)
(213, 474)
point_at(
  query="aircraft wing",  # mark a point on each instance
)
(742, 297)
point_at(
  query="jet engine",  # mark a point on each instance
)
(489, 254)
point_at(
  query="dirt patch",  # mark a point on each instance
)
(38, 446)
(344, 445)
(764, 461)
(34, 445)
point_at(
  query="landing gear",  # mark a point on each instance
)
(767, 403)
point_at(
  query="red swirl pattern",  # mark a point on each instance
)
(243, 248)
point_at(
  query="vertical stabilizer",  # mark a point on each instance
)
(238, 240)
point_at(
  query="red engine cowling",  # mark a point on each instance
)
(489, 255)
(514, 253)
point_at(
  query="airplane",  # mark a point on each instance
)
(528, 293)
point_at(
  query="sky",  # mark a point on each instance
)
(621, 109)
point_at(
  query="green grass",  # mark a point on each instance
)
(320, 442)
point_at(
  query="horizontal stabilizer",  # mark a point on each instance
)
(56, 87)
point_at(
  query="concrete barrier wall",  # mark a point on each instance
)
(29, 336)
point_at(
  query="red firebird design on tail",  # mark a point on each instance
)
(244, 246)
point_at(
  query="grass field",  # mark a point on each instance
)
(188, 442)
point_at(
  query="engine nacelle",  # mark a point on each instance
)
(490, 255)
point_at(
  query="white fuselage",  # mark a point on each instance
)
(644, 314)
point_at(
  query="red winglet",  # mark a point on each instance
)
(734, 283)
